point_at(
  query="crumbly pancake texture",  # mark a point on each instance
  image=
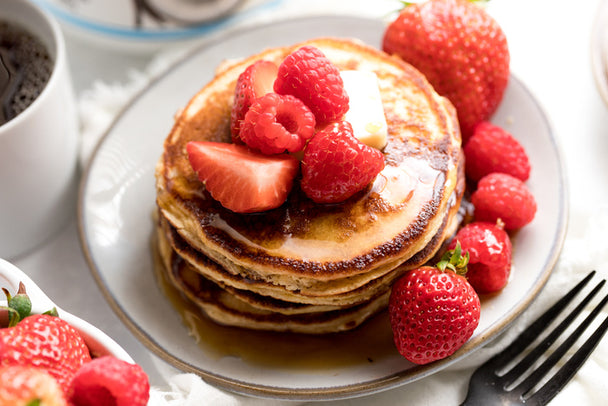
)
(310, 254)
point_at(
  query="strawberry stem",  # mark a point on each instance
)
(454, 260)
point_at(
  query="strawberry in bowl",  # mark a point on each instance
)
(50, 355)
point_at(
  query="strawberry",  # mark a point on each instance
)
(46, 342)
(276, 123)
(461, 50)
(493, 149)
(242, 180)
(255, 81)
(489, 249)
(504, 197)
(311, 77)
(336, 165)
(109, 381)
(26, 386)
(433, 310)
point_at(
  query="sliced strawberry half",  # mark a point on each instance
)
(242, 180)
(255, 81)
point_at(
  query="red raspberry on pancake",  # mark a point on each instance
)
(336, 165)
(275, 124)
(311, 77)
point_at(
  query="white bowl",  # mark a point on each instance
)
(99, 343)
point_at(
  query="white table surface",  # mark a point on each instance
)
(550, 52)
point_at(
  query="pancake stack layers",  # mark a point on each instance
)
(307, 267)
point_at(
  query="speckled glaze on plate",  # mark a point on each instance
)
(115, 222)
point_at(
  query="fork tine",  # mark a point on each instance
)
(530, 334)
(542, 370)
(563, 376)
(519, 369)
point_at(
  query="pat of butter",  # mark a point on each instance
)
(365, 113)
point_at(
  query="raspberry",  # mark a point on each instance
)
(336, 165)
(276, 123)
(255, 81)
(109, 381)
(308, 75)
(504, 197)
(492, 149)
(489, 249)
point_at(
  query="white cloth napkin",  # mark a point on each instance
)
(585, 249)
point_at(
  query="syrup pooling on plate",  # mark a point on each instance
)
(369, 343)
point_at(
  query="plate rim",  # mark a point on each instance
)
(333, 392)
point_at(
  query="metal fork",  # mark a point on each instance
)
(489, 385)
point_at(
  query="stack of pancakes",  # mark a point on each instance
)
(306, 267)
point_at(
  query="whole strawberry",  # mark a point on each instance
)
(461, 50)
(493, 149)
(26, 385)
(500, 196)
(46, 342)
(489, 249)
(311, 77)
(336, 165)
(433, 312)
(109, 381)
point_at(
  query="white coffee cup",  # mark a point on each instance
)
(38, 147)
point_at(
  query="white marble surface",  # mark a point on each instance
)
(550, 52)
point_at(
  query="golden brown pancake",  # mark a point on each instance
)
(305, 258)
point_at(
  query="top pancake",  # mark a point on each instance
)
(379, 227)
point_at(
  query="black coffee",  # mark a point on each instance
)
(25, 68)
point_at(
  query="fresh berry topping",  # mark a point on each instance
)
(461, 50)
(255, 81)
(492, 149)
(242, 180)
(311, 77)
(109, 381)
(504, 197)
(489, 249)
(276, 123)
(26, 385)
(336, 165)
(46, 342)
(432, 314)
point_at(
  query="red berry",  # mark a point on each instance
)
(461, 50)
(26, 385)
(109, 381)
(275, 123)
(255, 81)
(242, 180)
(432, 314)
(336, 165)
(504, 197)
(492, 149)
(489, 249)
(311, 77)
(46, 342)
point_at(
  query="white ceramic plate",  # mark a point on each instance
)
(115, 214)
